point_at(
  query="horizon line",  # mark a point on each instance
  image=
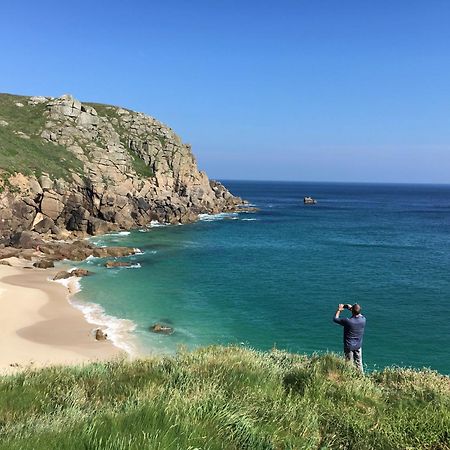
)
(406, 183)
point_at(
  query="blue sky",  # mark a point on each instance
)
(288, 90)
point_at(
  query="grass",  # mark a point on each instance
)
(225, 398)
(33, 155)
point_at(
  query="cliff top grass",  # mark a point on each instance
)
(225, 398)
(21, 147)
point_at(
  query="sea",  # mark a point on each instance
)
(273, 278)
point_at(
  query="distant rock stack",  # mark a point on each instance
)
(133, 170)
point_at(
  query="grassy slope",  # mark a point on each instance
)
(33, 155)
(224, 398)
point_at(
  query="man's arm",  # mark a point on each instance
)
(336, 317)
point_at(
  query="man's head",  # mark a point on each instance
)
(356, 309)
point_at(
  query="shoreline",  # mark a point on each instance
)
(117, 329)
(39, 325)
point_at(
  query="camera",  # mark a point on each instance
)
(347, 306)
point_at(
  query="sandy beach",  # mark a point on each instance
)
(38, 326)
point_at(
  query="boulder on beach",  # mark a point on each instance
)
(44, 264)
(161, 328)
(100, 335)
(111, 264)
(63, 274)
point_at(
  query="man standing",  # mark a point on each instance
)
(353, 333)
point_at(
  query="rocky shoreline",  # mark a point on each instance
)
(115, 170)
(70, 170)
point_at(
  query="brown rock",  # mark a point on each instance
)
(75, 273)
(62, 275)
(110, 264)
(51, 205)
(26, 239)
(8, 252)
(100, 335)
(80, 273)
(161, 328)
(117, 252)
(44, 264)
(44, 226)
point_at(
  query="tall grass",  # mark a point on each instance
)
(224, 398)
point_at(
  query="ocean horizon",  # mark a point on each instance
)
(273, 278)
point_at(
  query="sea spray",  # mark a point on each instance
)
(119, 331)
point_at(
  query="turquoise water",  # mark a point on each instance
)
(274, 278)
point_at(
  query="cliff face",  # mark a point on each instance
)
(95, 168)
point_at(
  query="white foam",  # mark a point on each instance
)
(138, 251)
(155, 223)
(220, 216)
(118, 330)
(249, 220)
(119, 233)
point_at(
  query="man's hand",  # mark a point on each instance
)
(340, 308)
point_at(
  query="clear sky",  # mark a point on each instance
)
(286, 90)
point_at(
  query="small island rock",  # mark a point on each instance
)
(111, 264)
(161, 328)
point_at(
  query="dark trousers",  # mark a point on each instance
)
(354, 356)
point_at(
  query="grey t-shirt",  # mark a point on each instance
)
(353, 331)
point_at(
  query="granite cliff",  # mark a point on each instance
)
(72, 169)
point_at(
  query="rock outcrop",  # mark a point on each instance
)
(161, 328)
(113, 264)
(132, 170)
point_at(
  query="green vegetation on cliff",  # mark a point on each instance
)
(21, 147)
(225, 398)
(110, 112)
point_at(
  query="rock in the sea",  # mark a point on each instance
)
(63, 274)
(100, 335)
(44, 264)
(80, 273)
(161, 328)
(111, 264)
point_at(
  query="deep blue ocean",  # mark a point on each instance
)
(274, 278)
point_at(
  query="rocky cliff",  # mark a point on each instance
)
(72, 168)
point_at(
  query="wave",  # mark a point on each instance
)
(155, 224)
(119, 233)
(219, 216)
(132, 266)
(249, 220)
(118, 330)
(384, 245)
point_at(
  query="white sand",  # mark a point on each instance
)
(38, 326)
